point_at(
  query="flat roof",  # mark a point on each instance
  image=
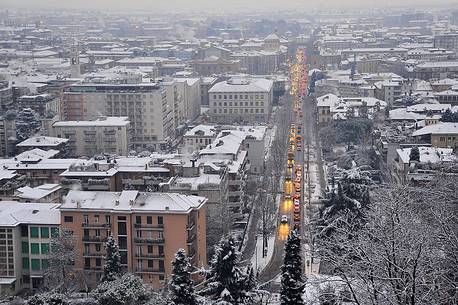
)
(42, 141)
(132, 201)
(105, 122)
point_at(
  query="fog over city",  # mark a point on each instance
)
(221, 6)
(228, 152)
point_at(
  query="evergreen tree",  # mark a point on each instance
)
(414, 154)
(112, 267)
(226, 281)
(292, 280)
(182, 286)
(449, 116)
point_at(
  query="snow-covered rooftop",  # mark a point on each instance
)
(440, 128)
(38, 192)
(243, 85)
(132, 201)
(15, 213)
(102, 122)
(428, 154)
(42, 141)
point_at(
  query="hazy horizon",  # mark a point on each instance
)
(221, 5)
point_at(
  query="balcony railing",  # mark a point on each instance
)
(149, 255)
(145, 240)
(95, 225)
(95, 238)
(92, 254)
(191, 238)
(190, 226)
(149, 270)
(148, 226)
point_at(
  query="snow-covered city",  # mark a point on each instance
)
(241, 152)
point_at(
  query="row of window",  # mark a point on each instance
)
(236, 104)
(236, 111)
(37, 264)
(39, 232)
(442, 139)
(238, 96)
(138, 219)
(35, 248)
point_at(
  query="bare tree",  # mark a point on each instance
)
(405, 253)
(61, 274)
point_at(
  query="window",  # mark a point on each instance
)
(85, 232)
(150, 249)
(68, 218)
(98, 262)
(35, 248)
(96, 218)
(44, 248)
(161, 265)
(107, 219)
(97, 247)
(160, 249)
(35, 264)
(25, 247)
(25, 263)
(138, 219)
(87, 263)
(160, 220)
(225, 96)
(85, 219)
(149, 220)
(44, 232)
(230, 96)
(24, 231)
(97, 233)
(442, 139)
(34, 232)
(122, 228)
(150, 263)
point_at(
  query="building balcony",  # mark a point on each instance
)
(145, 240)
(150, 255)
(149, 270)
(96, 239)
(191, 239)
(190, 226)
(96, 225)
(93, 254)
(148, 226)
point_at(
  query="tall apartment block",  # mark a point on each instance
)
(25, 232)
(87, 138)
(145, 105)
(148, 227)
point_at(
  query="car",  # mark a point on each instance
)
(284, 219)
(297, 226)
(297, 202)
(297, 196)
(299, 148)
(297, 209)
(287, 197)
(297, 217)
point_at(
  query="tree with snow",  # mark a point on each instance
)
(292, 280)
(112, 267)
(47, 298)
(181, 285)
(27, 125)
(226, 281)
(60, 274)
(414, 154)
(126, 290)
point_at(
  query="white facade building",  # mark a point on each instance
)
(241, 100)
(88, 138)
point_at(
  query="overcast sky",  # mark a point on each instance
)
(220, 5)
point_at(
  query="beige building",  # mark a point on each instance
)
(442, 135)
(145, 104)
(241, 100)
(148, 227)
(87, 138)
(25, 233)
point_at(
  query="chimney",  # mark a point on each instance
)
(116, 202)
(193, 162)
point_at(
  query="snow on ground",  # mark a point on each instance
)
(259, 262)
(317, 283)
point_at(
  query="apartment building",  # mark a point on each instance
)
(145, 104)
(109, 135)
(198, 138)
(442, 135)
(6, 95)
(25, 233)
(44, 143)
(241, 100)
(448, 41)
(435, 70)
(148, 227)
